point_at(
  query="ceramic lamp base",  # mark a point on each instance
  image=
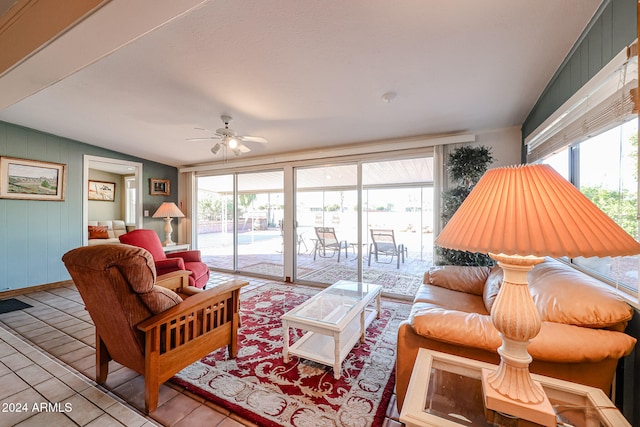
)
(540, 413)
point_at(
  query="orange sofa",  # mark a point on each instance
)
(583, 322)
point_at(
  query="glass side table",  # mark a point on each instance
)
(446, 390)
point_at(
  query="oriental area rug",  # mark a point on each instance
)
(261, 388)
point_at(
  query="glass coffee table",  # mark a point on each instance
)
(335, 320)
(446, 390)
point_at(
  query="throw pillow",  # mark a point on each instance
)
(492, 287)
(98, 232)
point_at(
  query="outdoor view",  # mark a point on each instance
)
(396, 203)
(608, 175)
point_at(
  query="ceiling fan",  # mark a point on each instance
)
(229, 139)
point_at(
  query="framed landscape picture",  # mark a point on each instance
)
(159, 187)
(101, 190)
(31, 179)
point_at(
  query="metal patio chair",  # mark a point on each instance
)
(383, 242)
(328, 242)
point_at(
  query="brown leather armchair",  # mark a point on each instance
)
(146, 327)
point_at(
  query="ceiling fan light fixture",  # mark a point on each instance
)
(232, 143)
(216, 148)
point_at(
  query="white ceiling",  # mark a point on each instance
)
(304, 74)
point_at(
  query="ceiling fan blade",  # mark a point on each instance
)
(243, 148)
(253, 139)
(208, 138)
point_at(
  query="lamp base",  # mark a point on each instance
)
(541, 413)
(167, 232)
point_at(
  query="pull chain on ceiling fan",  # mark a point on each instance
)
(229, 139)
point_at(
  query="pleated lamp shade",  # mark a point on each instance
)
(532, 210)
(168, 210)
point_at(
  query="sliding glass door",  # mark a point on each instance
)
(260, 202)
(242, 217)
(327, 223)
(252, 243)
(395, 204)
(215, 221)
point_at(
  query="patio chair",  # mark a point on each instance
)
(328, 242)
(383, 242)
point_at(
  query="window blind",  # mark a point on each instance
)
(607, 100)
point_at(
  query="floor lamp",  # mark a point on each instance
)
(519, 215)
(168, 211)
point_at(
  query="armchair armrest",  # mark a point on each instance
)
(187, 256)
(164, 266)
(190, 306)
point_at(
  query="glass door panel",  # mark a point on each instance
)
(215, 218)
(260, 204)
(397, 223)
(327, 218)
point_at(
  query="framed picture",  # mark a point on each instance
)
(32, 179)
(100, 190)
(159, 187)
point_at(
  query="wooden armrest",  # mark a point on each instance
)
(192, 304)
(177, 280)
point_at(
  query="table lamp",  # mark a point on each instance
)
(519, 215)
(168, 210)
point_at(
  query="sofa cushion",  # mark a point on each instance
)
(566, 295)
(452, 300)
(98, 232)
(465, 279)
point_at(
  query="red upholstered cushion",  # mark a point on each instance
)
(98, 232)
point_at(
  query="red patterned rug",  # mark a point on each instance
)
(260, 387)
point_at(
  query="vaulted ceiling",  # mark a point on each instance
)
(140, 77)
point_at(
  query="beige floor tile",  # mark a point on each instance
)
(47, 419)
(175, 409)
(11, 384)
(82, 411)
(201, 416)
(54, 390)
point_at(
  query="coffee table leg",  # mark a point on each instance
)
(337, 366)
(285, 349)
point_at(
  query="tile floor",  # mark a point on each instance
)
(47, 359)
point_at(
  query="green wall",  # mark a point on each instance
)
(35, 234)
(613, 27)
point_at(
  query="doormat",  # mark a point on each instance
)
(12, 304)
(261, 388)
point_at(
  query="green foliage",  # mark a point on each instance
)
(466, 166)
(621, 206)
(45, 184)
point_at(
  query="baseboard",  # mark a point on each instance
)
(15, 292)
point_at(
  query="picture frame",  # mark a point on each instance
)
(26, 179)
(159, 187)
(102, 190)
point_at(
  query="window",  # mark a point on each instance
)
(607, 173)
(592, 140)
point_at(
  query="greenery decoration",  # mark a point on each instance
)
(466, 166)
